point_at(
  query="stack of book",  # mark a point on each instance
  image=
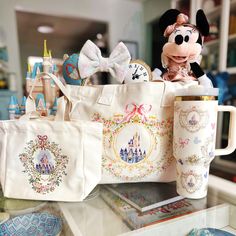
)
(143, 204)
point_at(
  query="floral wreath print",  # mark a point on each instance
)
(193, 119)
(190, 160)
(44, 163)
(191, 181)
(132, 143)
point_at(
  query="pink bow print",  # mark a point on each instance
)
(42, 140)
(132, 109)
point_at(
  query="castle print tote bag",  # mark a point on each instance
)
(45, 159)
(137, 133)
(137, 119)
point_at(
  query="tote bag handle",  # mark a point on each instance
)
(168, 96)
(65, 106)
(30, 106)
(107, 95)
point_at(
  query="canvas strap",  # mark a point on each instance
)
(30, 106)
(107, 95)
(168, 94)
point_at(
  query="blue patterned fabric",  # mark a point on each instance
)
(209, 232)
(70, 70)
(38, 224)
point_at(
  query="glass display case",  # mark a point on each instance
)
(96, 216)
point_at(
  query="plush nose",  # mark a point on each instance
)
(179, 39)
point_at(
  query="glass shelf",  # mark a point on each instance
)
(95, 217)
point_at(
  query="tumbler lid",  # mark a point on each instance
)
(197, 90)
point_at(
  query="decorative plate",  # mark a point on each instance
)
(209, 232)
(32, 224)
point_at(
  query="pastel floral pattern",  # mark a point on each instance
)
(32, 224)
(193, 119)
(208, 149)
(194, 145)
(191, 181)
(136, 144)
(44, 163)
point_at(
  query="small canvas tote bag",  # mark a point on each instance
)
(48, 159)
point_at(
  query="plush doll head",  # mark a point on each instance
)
(184, 43)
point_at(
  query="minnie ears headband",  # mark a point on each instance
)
(92, 61)
(173, 18)
(180, 20)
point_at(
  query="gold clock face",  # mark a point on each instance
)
(138, 71)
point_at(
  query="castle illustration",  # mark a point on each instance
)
(133, 153)
(44, 166)
(193, 120)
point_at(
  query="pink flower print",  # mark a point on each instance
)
(37, 185)
(23, 158)
(183, 142)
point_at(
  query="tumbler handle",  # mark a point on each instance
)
(232, 131)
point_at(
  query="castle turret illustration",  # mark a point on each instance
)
(47, 67)
(193, 120)
(41, 105)
(44, 166)
(133, 153)
(13, 106)
(45, 85)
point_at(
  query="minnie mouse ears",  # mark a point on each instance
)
(202, 23)
(171, 15)
(168, 18)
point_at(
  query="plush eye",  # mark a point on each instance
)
(192, 37)
(171, 38)
(186, 38)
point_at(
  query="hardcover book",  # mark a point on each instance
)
(146, 196)
(136, 219)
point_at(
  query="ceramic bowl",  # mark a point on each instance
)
(43, 224)
(209, 232)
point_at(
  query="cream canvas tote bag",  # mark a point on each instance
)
(48, 159)
(138, 129)
(137, 119)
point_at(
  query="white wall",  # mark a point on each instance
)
(8, 24)
(153, 9)
(125, 20)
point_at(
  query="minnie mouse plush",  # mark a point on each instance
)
(181, 54)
